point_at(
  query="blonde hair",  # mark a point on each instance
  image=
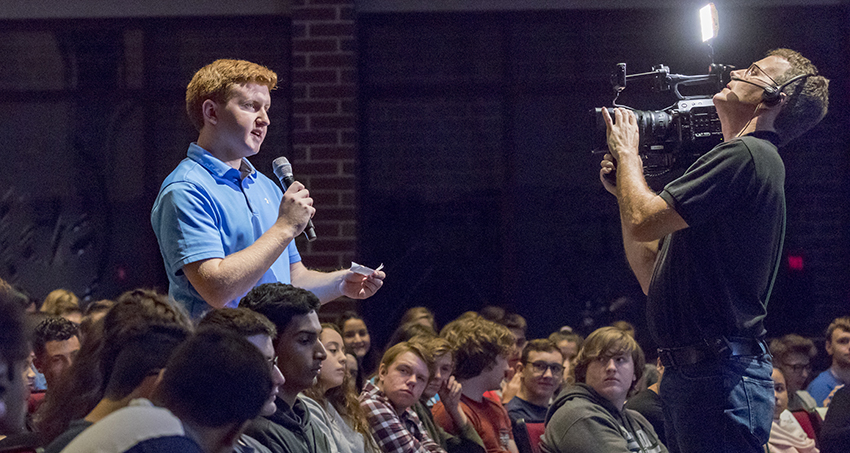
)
(60, 301)
(215, 80)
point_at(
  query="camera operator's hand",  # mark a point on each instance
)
(609, 166)
(622, 132)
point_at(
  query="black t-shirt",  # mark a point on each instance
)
(713, 278)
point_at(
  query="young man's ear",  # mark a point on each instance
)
(210, 111)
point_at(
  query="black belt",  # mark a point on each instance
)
(715, 349)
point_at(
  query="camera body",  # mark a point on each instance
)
(675, 137)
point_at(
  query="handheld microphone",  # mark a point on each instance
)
(283, 171)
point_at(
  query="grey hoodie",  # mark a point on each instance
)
(582, 421)
(289, 430)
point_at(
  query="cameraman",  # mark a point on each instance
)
(706, 249)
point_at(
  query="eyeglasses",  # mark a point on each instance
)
(272, 362)
(754, 70)
(540, 367)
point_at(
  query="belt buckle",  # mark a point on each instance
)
(719, 346)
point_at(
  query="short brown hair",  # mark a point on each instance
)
(215, 80)
(808, 98)
(790, 344)
(477, 343)
(608, 342)
(539, 345)
(837, 323)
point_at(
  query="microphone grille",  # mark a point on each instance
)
(281, 167)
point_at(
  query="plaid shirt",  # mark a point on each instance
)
(394, 432)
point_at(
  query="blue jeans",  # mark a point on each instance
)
(719, 406)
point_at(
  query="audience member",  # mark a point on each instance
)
(56, 345)
(835, 431)
(14, 350)
(408, 331)
(625, 326)
(421, 315)
(786, 434)
(837, 346)
(135, 312)
(648, 403)
(444, 385)
(793, 354)
(490, 313)
(333, 402)
(300, 355)
(64, 304)
(541, 373)
(589, 416)
(93, 312)
(211, 388)
(260, 332)
(569, 343)
(134, 374)
(402, 377)
(358, 342)
(482, 349)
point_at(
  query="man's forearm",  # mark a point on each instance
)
(221, 280)
(641, 257)
(325, 285)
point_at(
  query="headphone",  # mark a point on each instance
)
(773, 94)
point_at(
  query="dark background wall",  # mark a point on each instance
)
(477, 182)
(449, 144)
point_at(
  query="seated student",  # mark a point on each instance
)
(835, 431)
(134, 374)
(64, 304)
(793, 355)
(481, 350)
(14, 350)
(358, 342)
(541, 373)
(786, 434)
(589, 416)
(56, 344)
(135, 312)
(402, 376)
(260, 332)
(300, 355)
(569, 343)
(837, 346)
(333, 403)
(442, 383)
(421, 315)
(211, 388)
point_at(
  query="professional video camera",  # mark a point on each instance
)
(676, 136)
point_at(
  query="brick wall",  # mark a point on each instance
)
(324, 140)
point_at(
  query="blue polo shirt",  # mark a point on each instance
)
(204, 210)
